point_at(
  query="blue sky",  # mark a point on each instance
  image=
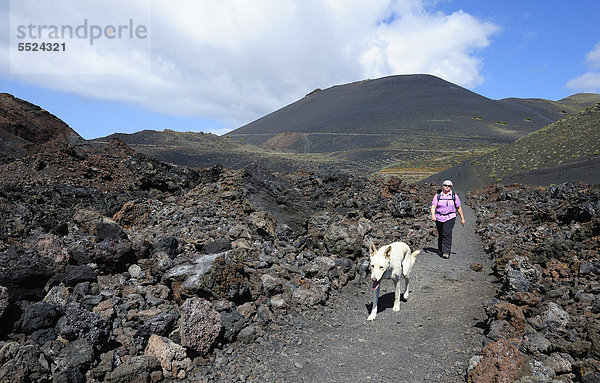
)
(214, 66)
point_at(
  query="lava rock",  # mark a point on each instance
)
(73, 361)
(171, 356)
(267, 192)
(24, 273)
(500, 361)
(169, 245)
(25, 366)
(4, 302)
(344, 239)
(138, 369)
(113, 256)
(233, 322)
(109, 229)
(78, 274)
(37, 316)
(162, 324)
(78, 323)
(219, 245)
(200, 325)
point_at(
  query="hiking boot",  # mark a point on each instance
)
(446, 255)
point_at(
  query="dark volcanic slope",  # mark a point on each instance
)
(374, 113)
(38, 149)
(182, 148)
(206, 150)
(25, 127)
(580, 101)
(566, 150)
(569, 105)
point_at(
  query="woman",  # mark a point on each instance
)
(444, 207)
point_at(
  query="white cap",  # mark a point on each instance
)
(447, 182)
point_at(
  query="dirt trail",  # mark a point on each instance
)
(430, 339)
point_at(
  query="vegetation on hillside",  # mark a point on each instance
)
(571, 139)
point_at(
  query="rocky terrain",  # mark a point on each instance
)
(115, 267)
(544, 324)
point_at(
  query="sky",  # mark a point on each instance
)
(216, 65)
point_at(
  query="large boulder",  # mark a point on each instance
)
(188, 278)
(171, 356)
(200, 325)
(24, 364)
(220, 276)
(500, 362)
(73, 361)
(24, 273)
(139, 369)
(113, 255)
(79, 323)
(344, 239)
(267, 192)
(37, 316)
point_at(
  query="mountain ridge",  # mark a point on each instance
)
(412, 126)
(395, 105)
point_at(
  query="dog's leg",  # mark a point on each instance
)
(397, 296)
(375, 300)
(407, 264)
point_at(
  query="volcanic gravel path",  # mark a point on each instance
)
(430, 339)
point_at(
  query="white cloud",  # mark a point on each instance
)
(236, 60)
(590, 81)
(592, 59)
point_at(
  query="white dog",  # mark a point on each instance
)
(391, 262)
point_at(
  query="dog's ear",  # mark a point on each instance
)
(388, 252)
(372, 249)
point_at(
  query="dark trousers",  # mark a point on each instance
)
(445, 235)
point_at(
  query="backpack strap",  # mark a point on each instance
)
(439, 194)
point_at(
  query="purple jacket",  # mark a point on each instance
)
(444, 208)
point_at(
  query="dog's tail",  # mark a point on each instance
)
(415, 253)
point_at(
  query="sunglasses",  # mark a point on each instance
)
(447, 186)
